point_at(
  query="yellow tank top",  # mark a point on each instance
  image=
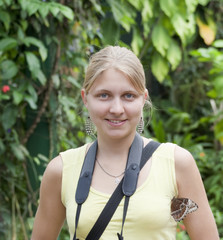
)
(148, 216)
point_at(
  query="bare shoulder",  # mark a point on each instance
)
(52, 177)
(183, 159)
(55, 167)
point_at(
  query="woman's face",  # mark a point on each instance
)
(114, 105)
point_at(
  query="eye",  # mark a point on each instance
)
(129, 96)
(103, 96)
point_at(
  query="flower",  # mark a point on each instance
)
(5, 88)
(202, 154)
(182, 227)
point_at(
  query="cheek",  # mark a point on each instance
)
(96, 110)
(135, 109)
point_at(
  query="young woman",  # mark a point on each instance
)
(114, 93)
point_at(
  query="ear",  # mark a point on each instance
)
(84, 96)
(145, 95)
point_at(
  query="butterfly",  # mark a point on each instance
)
(180, 207)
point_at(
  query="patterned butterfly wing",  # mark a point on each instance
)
(180, 207)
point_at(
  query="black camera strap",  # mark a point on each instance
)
(137, 158)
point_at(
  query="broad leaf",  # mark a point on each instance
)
(66, 11)
(31, 101)
(160, 39)
(147, 11)
(110, 31)
(5, 19)
(7, 44)
(19, 151)
(8, 117)
(123, 14)
(8, 69)
(185, 28)
(137, 41)
(207, 30)
(42, 49)
(17, 97)
(191, 5)
(54, 9)
(40, 76)
(44, 11)
(174, 54)
(34, 67)
(169, 6)
(218, 43)
(33, 7)
(203, 2)
(160, 67)
(33, 61)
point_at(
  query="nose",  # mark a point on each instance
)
(117, 106)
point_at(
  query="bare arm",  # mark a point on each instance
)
(199, 224)
(51, 212)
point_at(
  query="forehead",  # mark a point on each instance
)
(112, 78)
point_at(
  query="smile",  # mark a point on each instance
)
(116, 122)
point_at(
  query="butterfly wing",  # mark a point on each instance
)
(180, 207)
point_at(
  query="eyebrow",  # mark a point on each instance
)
(125, 91)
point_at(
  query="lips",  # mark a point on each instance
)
(114, 122)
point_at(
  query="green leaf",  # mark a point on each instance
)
(218, 130)
(191, 5)
(44, 11)
(185, 28)
(33, 7)
(2, 147)
(123, 14)
(66, 11)
(5, 19)
(56, 81)
(203, 2)
(34, 67)
(42, 49)
(169, 7)
(8, 117)
(7, 44)
(19, 151)
(174, 54)
(160, 67)
(31, 101)
(74, 81)
(8, 69)
(54, 9)
(24, 4)
(218, 43)
(110, 31)
(33, 61)
(32, 92)
(40, 76)
(137, 41)
(17, 97)
(147, 11)
(161, 39)
(8, 2)
(136, 3)
(218, 85)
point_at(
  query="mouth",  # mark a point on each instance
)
(115, 122)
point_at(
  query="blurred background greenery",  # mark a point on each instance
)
(44, 49)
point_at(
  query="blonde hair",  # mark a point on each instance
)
(119, 58)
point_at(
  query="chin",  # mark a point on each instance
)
(118, 134)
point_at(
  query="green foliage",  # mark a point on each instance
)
(44, 49)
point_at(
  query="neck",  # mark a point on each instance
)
(114, 150)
